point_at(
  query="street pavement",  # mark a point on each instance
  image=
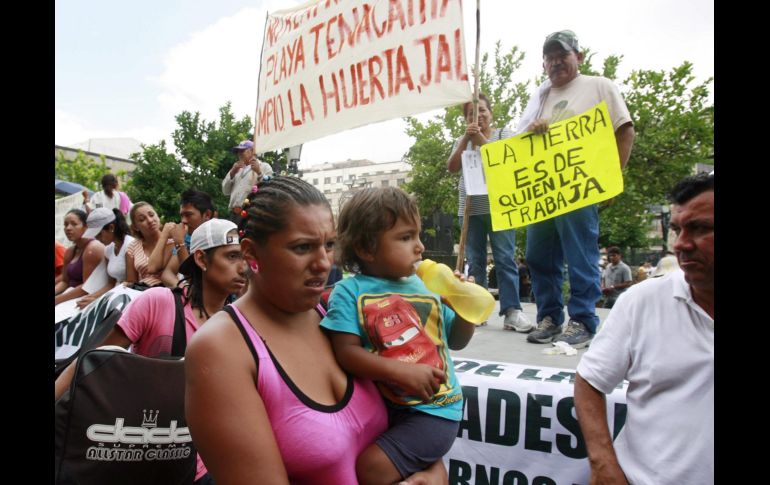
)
(491, 342)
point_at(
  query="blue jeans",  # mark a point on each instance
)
(574, 236)
(503, 253)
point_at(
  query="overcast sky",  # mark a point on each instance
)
(125, 69)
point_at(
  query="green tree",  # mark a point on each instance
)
(674, 125)
(158, 179)
(205, 148)
(202, 159)
(82, 170)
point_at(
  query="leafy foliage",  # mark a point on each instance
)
(157, 179)
(674, 127)
(201, 161)
(83, 170)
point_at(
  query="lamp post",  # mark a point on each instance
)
(665, 217)
(353, 185)
(292, 159)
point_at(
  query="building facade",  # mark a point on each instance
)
(338, 181)
(114, 164)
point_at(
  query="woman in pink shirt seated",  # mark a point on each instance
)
(266, 401)
(214, 270)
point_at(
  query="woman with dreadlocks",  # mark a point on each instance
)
(214, 270)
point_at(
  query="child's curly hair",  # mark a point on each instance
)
(365, 216)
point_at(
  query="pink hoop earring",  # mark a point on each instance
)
(254, 266)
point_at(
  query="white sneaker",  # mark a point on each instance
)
(518, 321)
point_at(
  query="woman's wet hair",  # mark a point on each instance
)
(194, 282)
(272, 202)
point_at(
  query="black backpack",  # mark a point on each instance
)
(122, 421)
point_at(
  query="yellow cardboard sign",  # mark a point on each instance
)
(533, 177)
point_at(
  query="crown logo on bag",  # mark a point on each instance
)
(150, 418)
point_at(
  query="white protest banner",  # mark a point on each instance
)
(520, 427)
(328, 66)
(473, 173)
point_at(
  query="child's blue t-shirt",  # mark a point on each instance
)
(346, 314)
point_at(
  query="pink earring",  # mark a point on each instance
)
(254, 266)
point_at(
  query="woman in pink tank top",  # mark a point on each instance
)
(266, 401)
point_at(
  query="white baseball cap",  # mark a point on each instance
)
(211, 234)
(97, 219)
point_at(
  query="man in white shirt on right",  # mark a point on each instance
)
(659, 337)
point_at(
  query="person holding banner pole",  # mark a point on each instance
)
(574, 235)
(246, 172)
(659, 337)
(480, 221)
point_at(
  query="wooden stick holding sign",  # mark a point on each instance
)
(460, 266)
(476, 64)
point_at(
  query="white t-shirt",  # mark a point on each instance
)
(116, 263)
(239, 187)
(100, 199)
(662, 342)
(582, 93)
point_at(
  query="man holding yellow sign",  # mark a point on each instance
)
(574, 234)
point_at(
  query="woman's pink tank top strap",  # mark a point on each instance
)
(319, 443)
(254, 338)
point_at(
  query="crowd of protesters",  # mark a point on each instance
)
(270, 398)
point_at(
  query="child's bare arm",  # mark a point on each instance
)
(462, 330)
(461, 333)
(419, 380)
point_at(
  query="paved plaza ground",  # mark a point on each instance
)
(491, 342)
